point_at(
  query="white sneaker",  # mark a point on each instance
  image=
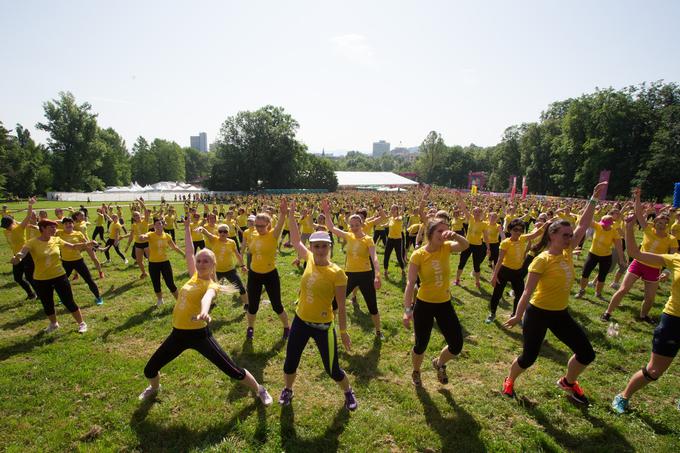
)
(614, 285)
(159, 302)
(264, 396)
(82, 327)
(52, 327)
(148, 393)
(126, 261)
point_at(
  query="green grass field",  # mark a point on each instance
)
(66, 391)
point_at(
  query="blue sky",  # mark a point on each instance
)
(349, 72)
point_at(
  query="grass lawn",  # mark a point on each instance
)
(66, 391)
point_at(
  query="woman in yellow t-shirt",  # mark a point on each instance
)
(478, 238)
(430, 264)
(15, 233)
(262, 271)
(395, 239)
(322, 282)
(666, 340)
(551, 275)
(655, 239)
(71, 259)
(140, 226)
(190, 325)
(159, 264)
(170, 220)
(494, 231)
(605, 237)
(361, 266)
(114, 239)
(49, 273)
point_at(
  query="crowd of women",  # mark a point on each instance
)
(530, 244)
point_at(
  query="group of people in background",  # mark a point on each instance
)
(530, 244)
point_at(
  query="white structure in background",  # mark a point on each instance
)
(154, 192)
(373, 180)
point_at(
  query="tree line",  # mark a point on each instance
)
(634, 132)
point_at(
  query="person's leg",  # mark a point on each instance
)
(84, 272)
(534, 328)
(155, 274)
(450, 327)
(464, 256)
(517, 282)
(423, 321)
(478, 255)
(569, 332)
(498, 290)
(655, 368)
(166, 272)
(588, 266)
(18, 274)
(370, 297)
(388, 253)
(45, 291)
(650, 294)
(65, 293)
(171, 347)
(255, 283)
(627, 284)
(272, 285)
(299, 336)
(139, 258)
(602, 271)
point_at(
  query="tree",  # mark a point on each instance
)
(144, 163)
(115, 169)
(24, 166)
(506, 159)
(316, 173)
(170, 158)
(430, 162)
(197, 165)
(72, 132)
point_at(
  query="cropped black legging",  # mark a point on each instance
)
(424, 314)
(80, 267)
(200, 340)
(24, 267)
(300, 333)
(45, 291)
(536, 323)
(112, 243)
(478, 253)
(605, 263)
(98, 231)
(271, 283)
(516, 279)
(364, 280)
(493, 256)
(397, 246)
(155, 272)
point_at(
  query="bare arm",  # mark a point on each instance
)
(283, 208)
(408, 294)
(325, 208)
(29, 212)
(342, 316)
(587, 215)
(189, 250)
(295, 232)
(532, 281)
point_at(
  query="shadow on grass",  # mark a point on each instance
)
(327, 442)
(37, 340)
(547, 350)
(603, 439)
(114, 291)
(359, 317)
(155, 437)
(40, 314)
(131, 322)
(9, 307)
(255, 363)
(459, 431)
(596, 331)
(365, 367)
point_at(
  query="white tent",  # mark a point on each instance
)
(347, 179)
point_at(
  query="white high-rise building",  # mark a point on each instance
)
(199, 142)
(380, 148)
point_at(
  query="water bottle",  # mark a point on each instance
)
(610, 330)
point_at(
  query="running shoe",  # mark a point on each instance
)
(101, 274)
(350, 401)
(646, 319)
(286, 396)
(605, 317)
(52, 327)
(286, 333)
(379, 335)
(508, 389)
(415, 378)
(441, 372)
(250, 333)
(99, 300)
(456, 283)
(264, 396)
(615, 285)
(149, 393)
(31, 297)
(620, 404)
(489, 319)
(82, 327)
(75, 277)
(159, 302)
(574, 390)
(580, 294)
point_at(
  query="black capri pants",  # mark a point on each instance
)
(233, 278)
(537, 321)
(112, 243)
(200, 340)
(605, 263)
(198, 245)
(397, 246)
(98, 231)
(300, 333)
(24, 267)
(156, 270)
(424, 314)
(81, 268)
(493, 256)
(45, 291)
(364, 280)
(516, 279)
(478, 253)
(171, 233)
(271, 283)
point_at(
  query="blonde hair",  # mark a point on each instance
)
(226, 288)
(264, 216)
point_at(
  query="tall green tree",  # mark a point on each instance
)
(197, 165)
(24, 165)
(144, 163)
(170, 158)
(430, 163)
(115, 169)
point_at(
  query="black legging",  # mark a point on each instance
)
(171, 233)
(25, 267)
(45, 290)
(396, 245)
(380, 235)
(536, 323)
(493, 256)
(98, 231)
(155, 272)
(271, 283)
(605, 263)
(478, 253)
(505, 275)
(112, 243)
(300, 333)
(81, 268)
(364, 280)
(200, 340)
(198, 245)
(424, 314)
(233, 278)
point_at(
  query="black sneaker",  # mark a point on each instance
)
(646, 319)
(605, 317)
(350, 401)
(286, 397)
(441, 372)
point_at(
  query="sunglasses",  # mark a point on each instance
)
(320, 245)
(223, 232)
(518, 230)
(260, 226)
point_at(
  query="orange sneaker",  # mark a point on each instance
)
(508, 389)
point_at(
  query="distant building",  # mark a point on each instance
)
(399, 151)
(199, 142)
(380, 148)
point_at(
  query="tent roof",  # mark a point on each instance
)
(371, 178)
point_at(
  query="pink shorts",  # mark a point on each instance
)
(647, 273)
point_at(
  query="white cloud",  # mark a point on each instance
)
(354, 48)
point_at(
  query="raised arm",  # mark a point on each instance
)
(325, 208)
(283, 210)
(294, 231)
(189, 249)
(587, 215)
(637, 207)
(29, 212)
(633, 249)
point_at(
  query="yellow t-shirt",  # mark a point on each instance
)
(654, 244)
(358, 256)
(307, 225)
(195, 236)
(514, 252)
(247, 235)
(79, 226)
(672, 306)
(76, 237)
(493, 232)
(413, 229)
(475, 232)
(189, 303)
(158, 247)
(100, 220)
(242, 220)
(557, 275)
(433, 270)
(263, 249)
(395, 225)
(368, 227)
(225, 253)
(603, 240)
(138, 229)
(233, 228)
(46, 256)
(16, 237)
(114, 230)
(675, 230)
(317, 290)
(413, 219)
(457, 223)
(170, 221)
